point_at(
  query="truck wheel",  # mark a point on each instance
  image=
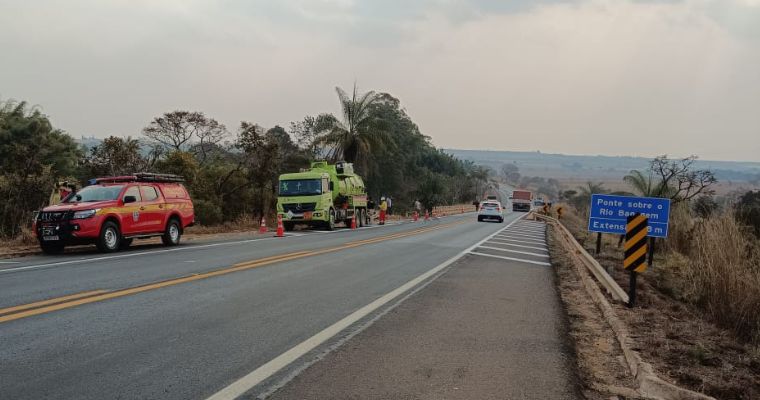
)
(288, 226)
(48, 248)
(362, 217)
(331, 221)
(172, 234)
(110, 237)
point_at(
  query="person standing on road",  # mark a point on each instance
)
(390, 206)
(383, 210)
(418, 207)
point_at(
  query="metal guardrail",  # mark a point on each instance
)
(586, 259)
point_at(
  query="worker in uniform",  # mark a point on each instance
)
(383, 209)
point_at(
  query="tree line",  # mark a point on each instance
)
(233, 174)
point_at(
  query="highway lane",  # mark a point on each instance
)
(191, 339)
(40, 277)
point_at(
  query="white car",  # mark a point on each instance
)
(491, 210)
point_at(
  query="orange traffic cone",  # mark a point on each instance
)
(427, 216)
(415, 216)
(263, 228)
(280, 228)
(353, 222)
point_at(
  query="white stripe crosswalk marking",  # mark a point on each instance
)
(521, 239)
(511, 258)
(514, 251)
(508, 243)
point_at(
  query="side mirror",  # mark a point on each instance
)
(331, 185)
(130, 199)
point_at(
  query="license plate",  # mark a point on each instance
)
(47, 238)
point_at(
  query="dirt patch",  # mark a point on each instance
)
(601, 365)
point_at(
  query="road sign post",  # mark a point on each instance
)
(636, 251)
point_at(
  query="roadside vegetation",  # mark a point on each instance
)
(232, 175)
(698, 313)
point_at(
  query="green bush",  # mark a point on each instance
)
(748, 211)
(208, 212)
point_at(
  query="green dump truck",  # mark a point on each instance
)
(323, 195)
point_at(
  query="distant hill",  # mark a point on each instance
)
(562, 166)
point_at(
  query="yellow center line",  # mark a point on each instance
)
(60, 303)
(49, 301)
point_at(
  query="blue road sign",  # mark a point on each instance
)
(609, 213)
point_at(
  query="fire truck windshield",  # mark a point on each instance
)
(95, 193)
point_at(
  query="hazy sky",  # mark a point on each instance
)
(582, 77)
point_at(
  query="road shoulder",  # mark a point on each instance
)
(487, 328)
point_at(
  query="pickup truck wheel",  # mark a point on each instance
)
(48, 248)
(331, 220)
(110, 238)
(172, 234)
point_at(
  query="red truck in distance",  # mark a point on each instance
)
(521, 200)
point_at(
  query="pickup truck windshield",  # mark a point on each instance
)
(95, 193)
(300, 187)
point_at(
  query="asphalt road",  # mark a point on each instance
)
(187, 322)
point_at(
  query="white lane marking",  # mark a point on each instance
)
(520, 239)
(10, 262)
(508, 243)
(520, 236)
(265, 371)
(141, 253)
(515, 251)
(511, 258)
(515, 233)
(528, 230)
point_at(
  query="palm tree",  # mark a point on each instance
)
(646, 185)
(354, 138)
(642, 184)
(582, 200)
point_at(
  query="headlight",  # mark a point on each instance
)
(84, 214)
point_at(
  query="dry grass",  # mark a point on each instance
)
(698, 306)
(243, 223)
(719, 271)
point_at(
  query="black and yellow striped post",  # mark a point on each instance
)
(636, 250)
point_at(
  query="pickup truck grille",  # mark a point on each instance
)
(50, 216)
(299, 207)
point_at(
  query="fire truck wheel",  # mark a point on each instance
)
(110, 237)
(172, 234)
